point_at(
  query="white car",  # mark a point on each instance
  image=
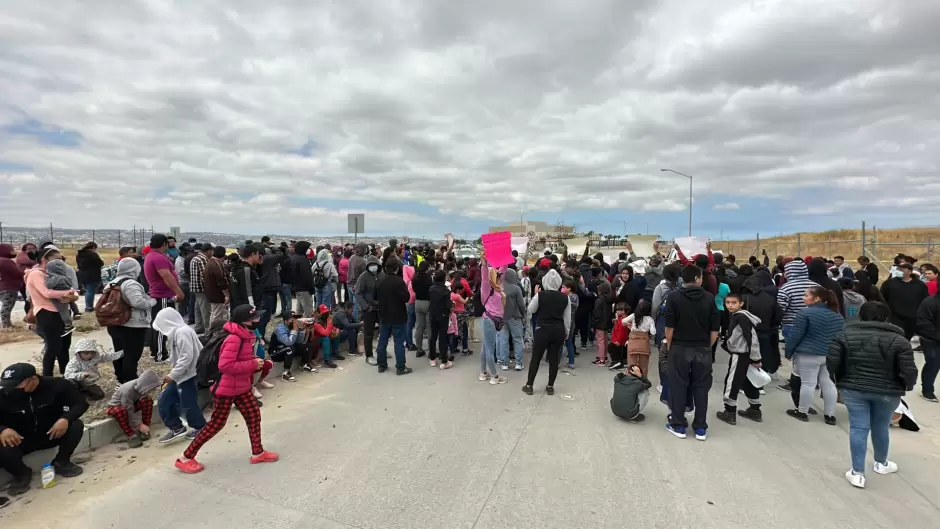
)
(467, 252)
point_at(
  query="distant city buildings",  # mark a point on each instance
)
(541, 229)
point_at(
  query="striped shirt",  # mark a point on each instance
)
(790, 295)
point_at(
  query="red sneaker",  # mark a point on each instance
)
(265, 457)
(190, 467)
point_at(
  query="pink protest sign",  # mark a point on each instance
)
(498, 247)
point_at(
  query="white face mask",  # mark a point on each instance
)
(373, 269)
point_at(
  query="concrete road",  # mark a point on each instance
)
(439, 449)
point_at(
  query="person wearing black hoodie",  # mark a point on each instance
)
(245, 288)
(818, 272)
(270, 279)
(393, 296)
(692, 324)
(761, 301)
(367, 298)
(736, 283)
(438, 312)
(302, 276)
(928, 328)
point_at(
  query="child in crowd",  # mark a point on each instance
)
(328, 336)
(131, 406)
(618, 338)
(58, 278)
(179, 390)
(262, 383)
(82, 369)
(631, 394)
(571, 289)
(459, 339)
(744, 351)
(853, 300)
(642, 329)
(602, 319)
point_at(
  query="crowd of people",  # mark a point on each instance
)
(843, 335)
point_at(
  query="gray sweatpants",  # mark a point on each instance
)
(305, 303)
(421, 322)
(203, 312)
(812, 370)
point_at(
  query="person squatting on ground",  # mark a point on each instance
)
(37, 413)
(554, 320)
(692, 324)
(237, 366)
(131, 405)
(631, 394)
(743, 346)
(82, 369)
(179, 391)
(873, 365)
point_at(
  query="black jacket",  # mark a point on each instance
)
(692, 314)
(928, 319)
(271, 271)
(89, 267)
(904, 298)
(440, 303)
(872, 356)
(759, 301)
(32, 414)
(602, 306)
(736, 283)
(393, 297)
(421, 284)
(301, 272)
(245, 282)
(367, 286)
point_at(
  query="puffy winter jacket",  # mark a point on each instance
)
(872, 356)
(928, 319)
(814, 329)
(237, 361)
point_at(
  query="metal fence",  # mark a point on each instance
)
(920, 243)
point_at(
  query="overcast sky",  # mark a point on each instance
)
(432, 116)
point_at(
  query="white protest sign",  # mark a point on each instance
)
(692, 246)
(520, 244)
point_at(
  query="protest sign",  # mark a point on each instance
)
(692, 246)
(498, 248)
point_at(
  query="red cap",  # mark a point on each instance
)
(323, 309)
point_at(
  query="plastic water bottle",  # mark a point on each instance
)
(48, 476)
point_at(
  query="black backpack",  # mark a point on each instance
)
(477, 304)
(319, 278)
(207, 367)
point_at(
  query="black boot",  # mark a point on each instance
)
(728, 415)
(753, 413)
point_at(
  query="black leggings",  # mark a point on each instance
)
(438, 339)
(550, 339)
(50, 327)
(131, 341)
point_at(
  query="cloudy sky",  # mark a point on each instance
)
(432, 116)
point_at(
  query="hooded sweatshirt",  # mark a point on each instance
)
(132, 292)
(11, 277)
(790, 295)
(553, 307)
(602, 305)
(23, 261)
(759, 302)
(631, 394)
(182, 341)
(245, 288)
(301, 272)
(367, 284)
(128, 393)
(853, 302)
(86, 371)
(515, 302)
(357, 263)
(742, 335)
(693, 316)
(904, 297)
(818, 273)
(57, 277)
(324, 266)
(392, 294)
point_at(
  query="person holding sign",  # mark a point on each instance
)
(493, 299)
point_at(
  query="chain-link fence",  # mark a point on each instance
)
(881, 246)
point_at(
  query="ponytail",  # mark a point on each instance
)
(826, 296)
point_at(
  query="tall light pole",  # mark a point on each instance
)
(690, 194)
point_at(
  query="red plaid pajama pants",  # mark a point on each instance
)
(120, 414)
(221, 407)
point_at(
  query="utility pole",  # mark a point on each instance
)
(135, 235)
(119, 238)
(1, 233)
(51, 234)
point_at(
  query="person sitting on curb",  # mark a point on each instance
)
(344, 319)
(82, 369)
(631, 394)
(38, 413)
(132, 407)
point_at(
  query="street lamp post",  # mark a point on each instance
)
(690, 194)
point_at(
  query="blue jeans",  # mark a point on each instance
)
(931, 367)
(329, 347)
(355, 304)
(324, 296)
(286, 299)
(491, 339)
(269, 304)
(176, 396)
(868, 412)
(397, 333)
(514, 328)
(90, 290)
(410, 326)
(569, 344)
(349, 335)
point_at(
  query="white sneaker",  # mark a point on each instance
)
(519, 367)
(498, 380)
(659, 388)
(889, 467)
(264, 384)
(484, 377)
(372, 361)
(256, 393)
(504, 367)
(857, 480)
(433, 363)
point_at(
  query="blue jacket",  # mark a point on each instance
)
(814, 328)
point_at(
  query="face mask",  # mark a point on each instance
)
(897, 273)
(373, 269)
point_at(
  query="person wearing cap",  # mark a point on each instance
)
(328, 336)
(37, 413)
(903, 295)
(237, 367)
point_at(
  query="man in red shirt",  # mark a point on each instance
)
(164, 288)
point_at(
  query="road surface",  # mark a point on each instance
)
(442, 450)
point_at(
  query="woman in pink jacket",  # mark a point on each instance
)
(342, 270)
(237, 365)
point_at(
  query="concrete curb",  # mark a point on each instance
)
(98, 434)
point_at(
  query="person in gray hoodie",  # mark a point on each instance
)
(82, 369)
(325, 278)
(180, 391)
(129, 337)
(357, 265)
(852, 300)
(369, 303)
(743, 351)
(513, 314)
(57, 278)
(131, 406)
